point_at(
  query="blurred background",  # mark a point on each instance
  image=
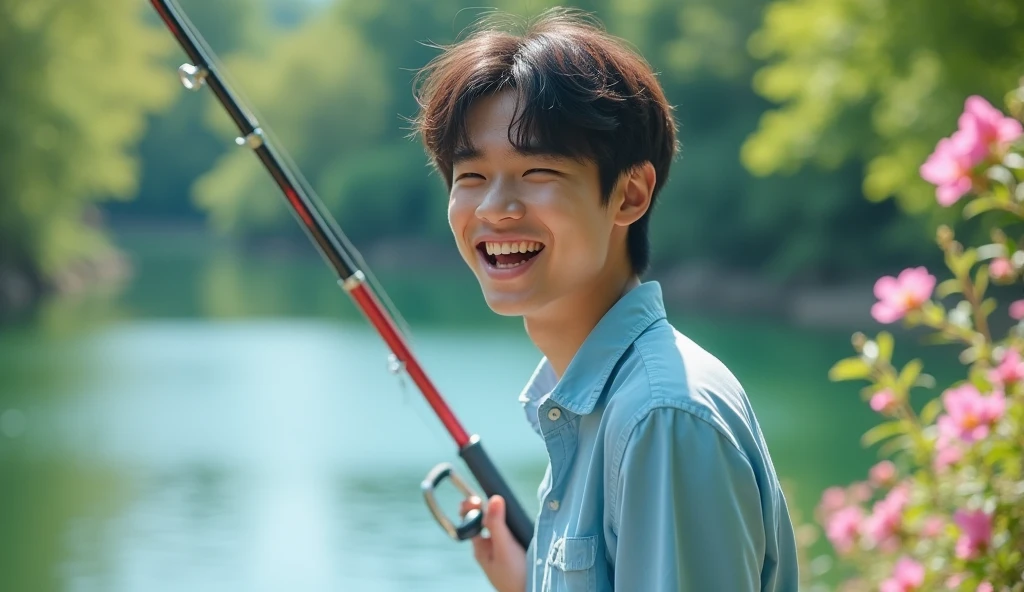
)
(189, 402)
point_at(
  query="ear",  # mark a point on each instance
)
(636, 189)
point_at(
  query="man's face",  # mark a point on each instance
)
(531, 227)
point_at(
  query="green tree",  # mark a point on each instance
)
(179, 146)
(75, 101)
(810, 225)
(877, 82)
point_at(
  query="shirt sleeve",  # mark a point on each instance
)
(688, 514)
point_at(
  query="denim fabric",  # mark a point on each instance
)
(658, 477)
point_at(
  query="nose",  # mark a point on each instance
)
(500, 203)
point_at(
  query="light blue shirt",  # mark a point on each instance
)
(658, 477)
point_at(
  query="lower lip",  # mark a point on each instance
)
(507, 273)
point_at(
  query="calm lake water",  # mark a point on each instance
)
(226, 421)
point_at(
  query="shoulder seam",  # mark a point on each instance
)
(656, 404)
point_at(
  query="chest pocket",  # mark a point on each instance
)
(571, 565)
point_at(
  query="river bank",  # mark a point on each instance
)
(697, 288)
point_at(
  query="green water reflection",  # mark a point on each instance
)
(226, 421)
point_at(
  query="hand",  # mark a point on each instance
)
(500, 556)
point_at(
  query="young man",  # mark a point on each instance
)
(554, 144)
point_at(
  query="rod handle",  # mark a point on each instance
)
(493, 483)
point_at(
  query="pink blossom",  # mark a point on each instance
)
(969, 413)
(1000, 268)
(859, 491)
(883, 401)
(899, 295)
(886, 519)
(947, 450)
(1009, 371)
(1017, 309)
(984, 587)
(832, 500)
(908, 575)
(843, 528)
(949, 167)
(882, 474)
(976, 532)
(932, 527)
(981, 130)
(953, 582)
(992, 128)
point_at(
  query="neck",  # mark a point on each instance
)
(560, 330)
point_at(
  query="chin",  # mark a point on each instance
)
(506, 303)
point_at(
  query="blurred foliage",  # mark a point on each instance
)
(878, 82)
(95, 105)
(75, 101)
(385, 190)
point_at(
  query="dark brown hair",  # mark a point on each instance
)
(580, 93)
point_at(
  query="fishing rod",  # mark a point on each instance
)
(342, 256)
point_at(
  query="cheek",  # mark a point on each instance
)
(461, 213)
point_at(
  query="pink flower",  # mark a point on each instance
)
(953, 582)
(948, 451)
(883, 474)
(969, 413)
(984, 587)
(843, 528)
(1009, 371)
(832, 500)
(981, 129)
(950, 166)
(908, 575)
(1017, 310)
(859, 491)
(899, 295)
(883, 401)
(1000, 268)
(932, 527)
(976, 532)
(991, 127)
(886, 519)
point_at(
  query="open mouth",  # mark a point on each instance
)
(507, 255)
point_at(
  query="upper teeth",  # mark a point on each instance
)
(506, 248)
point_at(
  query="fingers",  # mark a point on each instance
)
(494, 518)
(471, 503)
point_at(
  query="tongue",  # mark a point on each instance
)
(513, 258)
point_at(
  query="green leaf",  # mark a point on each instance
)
(882, 432)
(937, 339)
(909, 374)
(925, 381)
(948, 287)
(981, 281)
(988, 306)
(849, 369)
(978, 206)
(1002, 452)
(931, 410)
(885, 346)
(934, 314)
(895, 445)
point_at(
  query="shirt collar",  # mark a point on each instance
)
(584, 379)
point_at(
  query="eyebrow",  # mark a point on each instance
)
(464, 153)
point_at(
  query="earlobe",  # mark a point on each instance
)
(637, 190)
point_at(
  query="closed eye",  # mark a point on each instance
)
(545, 171)
(469, 176)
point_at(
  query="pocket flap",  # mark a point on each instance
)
(573, 553)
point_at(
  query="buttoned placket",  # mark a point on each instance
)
(560, 442)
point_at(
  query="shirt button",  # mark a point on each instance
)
(553, 504)
(554, 414)
(540, 562)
